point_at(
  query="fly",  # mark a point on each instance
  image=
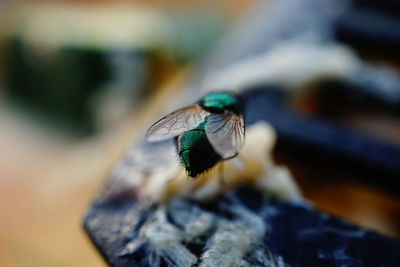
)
(206, 133)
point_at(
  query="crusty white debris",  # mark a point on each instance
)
(153, 173)
(180, 231)
(234, 239)
(178, 226)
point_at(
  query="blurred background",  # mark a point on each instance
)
(81, 80)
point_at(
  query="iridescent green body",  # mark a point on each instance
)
(196, 152)
(194, 149)
(217, 102)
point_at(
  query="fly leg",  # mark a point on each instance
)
(221, 179)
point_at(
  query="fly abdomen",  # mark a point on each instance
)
(195, 151)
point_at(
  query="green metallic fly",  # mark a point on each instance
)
(207, 132)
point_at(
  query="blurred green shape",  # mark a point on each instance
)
(62, 84)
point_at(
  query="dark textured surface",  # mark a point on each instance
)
(298, 233)
(309, 238)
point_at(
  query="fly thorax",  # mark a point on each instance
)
(218, 102)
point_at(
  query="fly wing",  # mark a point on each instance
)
(176, 123)
(226, 133)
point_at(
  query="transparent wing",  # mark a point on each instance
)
(226, 133)
(176, 123)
